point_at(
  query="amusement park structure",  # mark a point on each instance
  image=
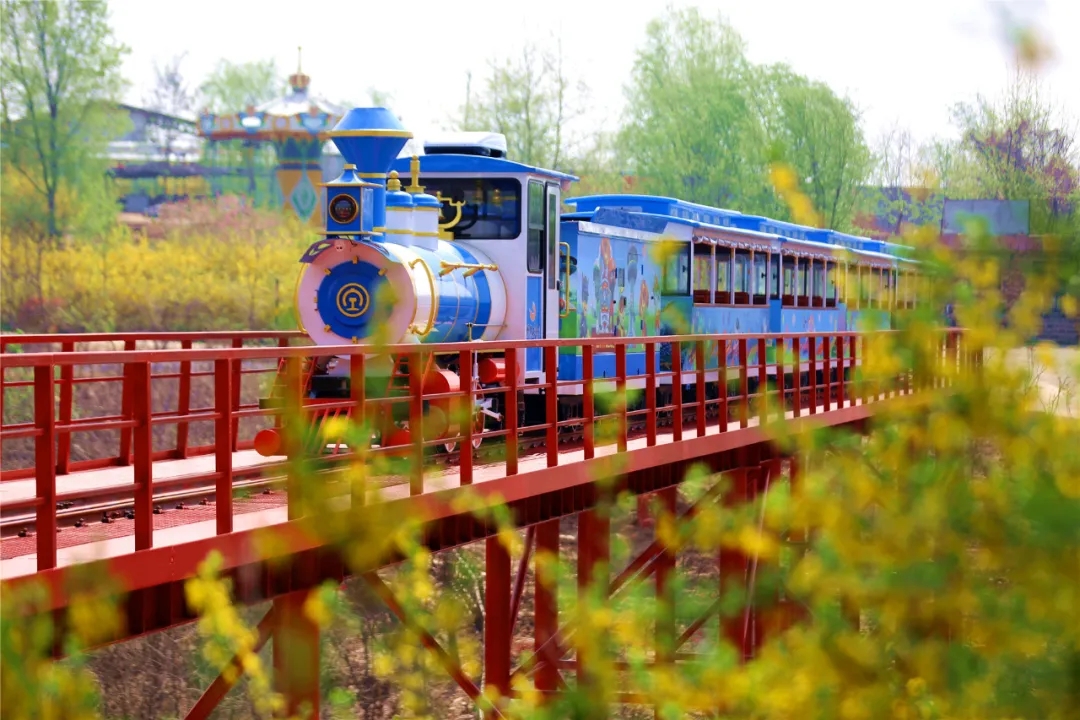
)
(295, 125)
(467, 328)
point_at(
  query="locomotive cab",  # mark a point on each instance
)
(510, 212)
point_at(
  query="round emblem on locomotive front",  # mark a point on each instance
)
(352, 300)
(343, 209)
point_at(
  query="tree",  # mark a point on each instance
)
(531, 100)
(817, 133)
(1019, 150)
(705, 124)
(690, 130)
(895, 158)
(234, 86)
(60, 82)
(171, 95)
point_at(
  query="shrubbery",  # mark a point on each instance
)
(198, 267)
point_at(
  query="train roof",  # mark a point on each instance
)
(452, 162)
(676, 209)
(656, 204)
(639, 215)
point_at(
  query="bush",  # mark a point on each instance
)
(199, 267)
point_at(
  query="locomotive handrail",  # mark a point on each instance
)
(414, 328)
(104, 357)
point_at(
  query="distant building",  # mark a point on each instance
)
(156, 137)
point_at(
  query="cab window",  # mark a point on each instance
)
(534, 251)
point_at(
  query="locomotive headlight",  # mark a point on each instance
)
(343, 209)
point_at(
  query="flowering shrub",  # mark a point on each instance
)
(200, 268)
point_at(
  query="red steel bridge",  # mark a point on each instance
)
(124, 454)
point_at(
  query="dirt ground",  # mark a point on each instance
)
(1055, 373)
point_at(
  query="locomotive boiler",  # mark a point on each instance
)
(386, 274)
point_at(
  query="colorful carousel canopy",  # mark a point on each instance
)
(295, 124)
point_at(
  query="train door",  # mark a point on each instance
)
(542, 268)
(552, 281)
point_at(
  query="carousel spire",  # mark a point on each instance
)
(299, 81)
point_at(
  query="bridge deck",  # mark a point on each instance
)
(96, 541)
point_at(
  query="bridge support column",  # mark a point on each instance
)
(296, 656)
(594, 546)
(546, 614)
(665, 597)
(733, 567)
(497, 628)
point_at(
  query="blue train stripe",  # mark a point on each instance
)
(483, 294)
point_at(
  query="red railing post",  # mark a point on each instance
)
(781, 393)
(551, 404)
(589, 400)
(358, 393)
(763, 380)
(951, 357)
(744, 384)
(139, 375)
(511, 358)
(45, 465)
(620, 393)
(676, 391)
(67, 387)
(650, 394)
(282, 343)
(223, 444)
(813, 376)
(238, 389)
(852, 386)
(840, 365)
(864, 381)
(292, 436)
(183, 403)
(126, 412)
(722, 382)
(699, 380)
(416, 422)
(796, 374)
(468, 400)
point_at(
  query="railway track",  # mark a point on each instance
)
(106, 507)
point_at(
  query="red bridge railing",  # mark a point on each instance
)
(45, 428)
(84, 390)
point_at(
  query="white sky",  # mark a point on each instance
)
(902, 61)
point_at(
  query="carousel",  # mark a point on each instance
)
(295, 125)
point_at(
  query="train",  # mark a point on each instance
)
(479, 248)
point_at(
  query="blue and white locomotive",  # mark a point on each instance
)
(477, 247)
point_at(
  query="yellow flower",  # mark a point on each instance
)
(315, 609)
(916, 686)
(783, 177)
(335, 428)
(755, 543)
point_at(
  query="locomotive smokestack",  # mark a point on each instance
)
(370, 139)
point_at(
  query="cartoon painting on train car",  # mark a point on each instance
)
(707, 320)
(534, 318)
(808, 320)
(869, 320)
(617, 288)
